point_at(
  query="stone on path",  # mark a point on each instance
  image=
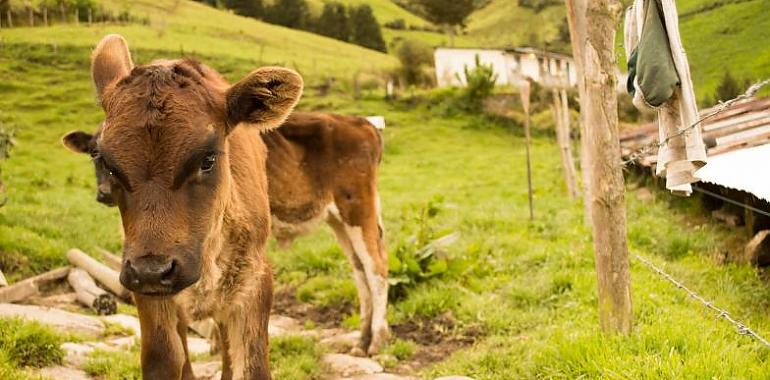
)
(346, 365)
(206, 370)
(198, 346)
(126, 321)
(76, 354)
(339, 340)
(378, 376)
(63, 373)
(60, 320)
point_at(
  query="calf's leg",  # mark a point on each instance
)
(362, 286)
(163, 352)
(243, 328)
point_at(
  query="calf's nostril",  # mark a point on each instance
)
(168, 273)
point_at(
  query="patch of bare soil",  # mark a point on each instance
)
(436, 338)
(328, 316)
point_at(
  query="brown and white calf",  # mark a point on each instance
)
(320, 167)
(186, 167)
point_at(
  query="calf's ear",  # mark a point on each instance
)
(263, 98)
(110, 62)
(78, 141)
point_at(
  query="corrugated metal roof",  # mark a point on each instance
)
(743, 170)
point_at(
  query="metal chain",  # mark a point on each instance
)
(721, 313)
(722, 106)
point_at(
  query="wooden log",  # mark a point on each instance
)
(594, 22)
(113, 261)
(31, 286)
(100, 272)
(3, 281)
(91, 295)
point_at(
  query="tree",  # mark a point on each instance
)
(448, 13)
(290, 13)
(334, 22)
(248, 8)
(366, 29)
(728, 88)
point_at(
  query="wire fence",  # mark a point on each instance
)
(721, 107)
(741, 328)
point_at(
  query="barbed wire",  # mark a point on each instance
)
(721, 313)
(720, 107)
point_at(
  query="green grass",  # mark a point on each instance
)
(114, 365)
(528, 287)
(384, 10)
(27, 344)
(503, 23)
(194, 28)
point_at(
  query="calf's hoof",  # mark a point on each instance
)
(379, 341)
(357, 351)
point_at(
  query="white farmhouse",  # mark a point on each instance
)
(511, 66)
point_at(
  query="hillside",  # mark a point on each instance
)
(385, 11)
(186, 27)
(717, 34)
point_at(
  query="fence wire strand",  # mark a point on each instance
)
(721, 313)
(721, 107)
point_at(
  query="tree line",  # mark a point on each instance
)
(354, 24)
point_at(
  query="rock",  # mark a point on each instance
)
(378, 376)
(757, 251)
(386, 360)
(123, 342)
(60, 320)
(346, 365)
(285, 323)
(198, 346)
(341, 341)
(207, 370)
(454, 378)
(63, 373)
(76, 354)
(126, 321)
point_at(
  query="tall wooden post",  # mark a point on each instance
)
(594, 23)
(524, 91)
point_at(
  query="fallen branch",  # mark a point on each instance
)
(100, 272)
(31, 286)
(112, 260)
(91, 295)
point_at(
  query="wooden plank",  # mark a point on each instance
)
(31, 286)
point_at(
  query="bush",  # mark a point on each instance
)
(422, 255)
(480, 82)
(397, 24)
(29, 344)
(414, 57)
(366, 29)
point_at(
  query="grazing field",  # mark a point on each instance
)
(190, 28)
(508, 299)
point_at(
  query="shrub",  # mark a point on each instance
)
(397, 24)
(29, 343)
(414, 57)
(480, 82)
(422, 255)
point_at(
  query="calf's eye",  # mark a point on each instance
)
(208, 162)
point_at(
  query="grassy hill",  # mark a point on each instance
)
(718, 35)
(385, 11)
(186, 27)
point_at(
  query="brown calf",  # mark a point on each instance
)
(320, 167)
(192, 192)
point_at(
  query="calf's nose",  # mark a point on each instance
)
(149, 273)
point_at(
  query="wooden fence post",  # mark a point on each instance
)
(10, 19)
(90, 17)
(595, 48)
(31, 15)
(77, 16)
(524, 91)
(45, 16)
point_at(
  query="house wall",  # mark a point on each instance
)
(510, 67)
